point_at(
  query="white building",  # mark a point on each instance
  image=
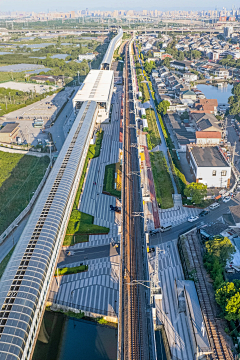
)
(208, 137)
(98, 86)
(209, 166)
(88, 57)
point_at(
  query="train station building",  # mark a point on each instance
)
(98, 87)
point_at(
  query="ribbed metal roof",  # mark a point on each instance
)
(32, 263)
(110, 50)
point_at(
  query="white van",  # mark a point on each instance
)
(214, 206)
(165, 227)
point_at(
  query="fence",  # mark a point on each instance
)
(27, 209)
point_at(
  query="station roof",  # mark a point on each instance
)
(23, 286)
(96, 86)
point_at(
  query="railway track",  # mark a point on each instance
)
(217, 341)
(133, 321)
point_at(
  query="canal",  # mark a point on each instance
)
(64, 338)
(221, 93)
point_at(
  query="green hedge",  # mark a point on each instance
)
(109, 181)
(153, 136)
(71, 270)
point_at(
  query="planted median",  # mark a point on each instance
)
(81, 225)
(162, 180)
(112, 180)
(70, 270)
(153, 136)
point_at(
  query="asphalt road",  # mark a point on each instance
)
(232, 138)
(12, 239)
(57, 129)
(87, 254)
(211, 217)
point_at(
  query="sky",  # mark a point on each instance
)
(63, 5)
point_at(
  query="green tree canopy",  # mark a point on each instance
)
(163, 106)
(166, 62)
(149, 66)
(196, 191)
(221, 248)
(228, 297)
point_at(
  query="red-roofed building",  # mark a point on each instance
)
(208, 137)
(207, 105)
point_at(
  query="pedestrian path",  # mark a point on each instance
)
(95, 290)
(92, 200)
(176, 215)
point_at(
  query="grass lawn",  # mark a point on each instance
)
(20, 176)
(80, 225)
(153, 137)
(71, 270)
(5, 261)
(162, 179)
(109, 181)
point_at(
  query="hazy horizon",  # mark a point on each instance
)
(60, 5)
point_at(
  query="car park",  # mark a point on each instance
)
(193, 218)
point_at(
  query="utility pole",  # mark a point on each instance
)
(50, 148)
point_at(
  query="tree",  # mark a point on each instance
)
(148, 66)
(221, 248)
(196, 191)
(166, 62)
(228, 297)
(163, 106)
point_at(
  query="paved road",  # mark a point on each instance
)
(87, 254)
(12, 239)
(57, 129)
(232, 137)
(174, 232)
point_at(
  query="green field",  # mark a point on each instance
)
(153, 136)
(20, 176)
(80, 225)
(162, 179)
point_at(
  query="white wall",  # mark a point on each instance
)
(208, 141)
(205, 176)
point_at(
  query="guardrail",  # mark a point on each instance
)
(80, 307)
(27, 208)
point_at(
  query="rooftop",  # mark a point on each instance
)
(8, 128)
(207, 121)
(208, 135)
(96, 86)
(208, 157)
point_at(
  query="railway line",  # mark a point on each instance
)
(217, 341)
(134, 334)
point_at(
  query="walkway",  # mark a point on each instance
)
(163, 142)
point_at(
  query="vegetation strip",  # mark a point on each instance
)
(5, 261)
(71, 270)
(162, 179)
(109, 181)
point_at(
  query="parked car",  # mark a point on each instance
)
(214, 206)
(153, 232)
(193, 218)
(226, 199)
(204, 213)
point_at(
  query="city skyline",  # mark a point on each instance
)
(44, 6)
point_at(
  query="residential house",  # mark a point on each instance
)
(208, 137)
(189, 95)
(209, 166)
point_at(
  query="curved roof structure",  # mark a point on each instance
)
(25, 283)
(115, 42)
